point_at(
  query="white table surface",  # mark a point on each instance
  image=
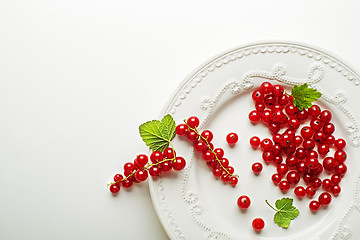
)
(78, 77)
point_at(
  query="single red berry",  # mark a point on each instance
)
(141, 175)
(310, 191)
(257, 96)
(266, 87)
(230, 169)
(274, 127)
(224, 162)
(255, 141)
(232, 138)
(166, 166)
(277, 90)
(269, 100)
(129, 167)
(212, 164)
(301, 153)
(316, 183)
(169, 153)
(225, 177)
(254, 116)
(340, 143)
(293, 177)
(218, 172)
(266, 116)
(324, 199)
(314, 206)
(291, 110)
(258, 224)
(319, 137)
(340, 156)
(336, 179)
(127, 183)
(298, 140)
(306, 132)
(208, 156)
(118, 178)
(284, 186)
(282, 169)
(325, 116)
(193, 122)
(114, 188)
(329, 163)
(293, 123)
(277, 107)
(328, 128)
(279, 117)
(154, 171)
(302, 115)
(276, 138)
(192, 136)
(276, 178)
(291, 161)
(179, 164)
(301, 167)
(156, 156)
(307, 178)
(316, 124)
(277, 149)
(141, 160)
(327, 184)
(341, 169)
(329, 140)
(316, 171)
(257, 167)
(266, 144)
(312, 163)
(200, 146)
(335, 190)
(277, 159)
(283, 99)
(243, 202)
(313, 154)
(260, 107)
(208, 135)
(268, 156)
(314, 111)
(181, 129)
(219, 152)
(300, 191)
(323, 149)
(233, 181)
(285, 140)
(309, 144)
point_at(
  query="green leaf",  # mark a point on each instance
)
(157, 135)
(285, 212)
(304, 96)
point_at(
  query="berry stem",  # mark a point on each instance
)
(212, 150)
(271, 206)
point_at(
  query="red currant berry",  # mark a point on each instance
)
(290, 150)
(293, 123)
(329, 140)
(266, 116)
(279, 117)
(219, 152)
(314, 206)
(314, 111)
(324, 199)
(291, 161)
(313, 154)
(325, 116)
(310, 191)
(166, 166)
(230, 169)
(335, 190)
(312, 163)
(302, 115)
(258, 224)
(307, 178)
(340, 156)
(141, 160)
(114, 188)
(285, 140)
(225, 177)
(293, 177)
(319, 137)
(192, 136)
(298, 140)
(129, 167)
(282, 169)
(274, 127)
(316, 183)
(269, 100)
(127, 183)
(336, 179)
(341, 169)
(328, 128)
(266, 87)
(193, 122)
(169, 153)
(141, 175)
(200, 146)
(277, 159)
(154, 171)
(179, 164)
(243, 202)
(118, 178)
(301, 167)
(232, 138)
(316, 124)
(317, 171)
(323, 149)
(301, 153)
(218, 172)
(260, 107)
(306, 132)
(329, 164)
(254, 116)
(276, 138)
(156, 156)
(340, 143)
(224, 162)
(277, 149)
(257, 96)
(268, 156)
(212, 164)
(277, 107)
(257, 167)
(233, 181)
(284, 186)
(255, 141)
(283, 100)
(208, 156)
(308, 144)
(276, 178)
(327, 184)
(300, 191)
(208, 135)
(266, 144)
(277, 90)
(181, 129)
(291, 110)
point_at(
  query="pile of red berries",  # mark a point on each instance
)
(214, 158)
(298, 152)
(139, 170)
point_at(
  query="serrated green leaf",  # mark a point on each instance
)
(157, 135)
(285, 212)
(304, 96)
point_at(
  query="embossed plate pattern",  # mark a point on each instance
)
(192, 204)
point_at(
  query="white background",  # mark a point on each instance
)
(77, 78)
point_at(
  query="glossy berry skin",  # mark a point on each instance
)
(233, 181)
(307, 178)
(193, 122)
(283, 99)
(219, 153)
(291, 110)
(269, 100)
(335, 190)
(266, 87)
(217, 172)
(156, 156)
(291, 161)
(300, 191)
(208, 156)
(311, 163)
(258, 224)
(293, 123)
(260, 107)
(268, 156)
(126, 183)
(336, 179)
(208, 135)
(285, 140)
(277, 90)
(254, 116)
(340, 143)
(314, 111)
(276, 178)
(301, 167)
(317, 170)
(323, 149)
(141, 160)
(328, 128)
(324, 199)
(181, 129)
(316, 124)
(166, 166)
(327, 184)
(154, 171)
(179, 164)
(298, 140)
(257, 167)
(257, 96)
(329, 164)
(307, 132)
(319, 137)
(277, 160)
(302, 115)
(200, 146)
(310, 191)
(141, 175)
(266, 116)
(329, 140)
(341, 169)
(118, 178)
(192, 136)
(293, 177)
(282, 169)
(114, 188)
(255, 141)
(325, 116)
(243, 202)
(284, 186)
(225, 177)
(277, 149)
(314, 206)
(266, 144)
(340, 156)
(274, 127)
(169, 153)
(232, 138)
(309, 144)
(301, 153)
(316, 183)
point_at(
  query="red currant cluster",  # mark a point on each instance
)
(214, 158)
(305, 150)
(139, 170)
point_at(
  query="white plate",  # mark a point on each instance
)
(194, 205)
